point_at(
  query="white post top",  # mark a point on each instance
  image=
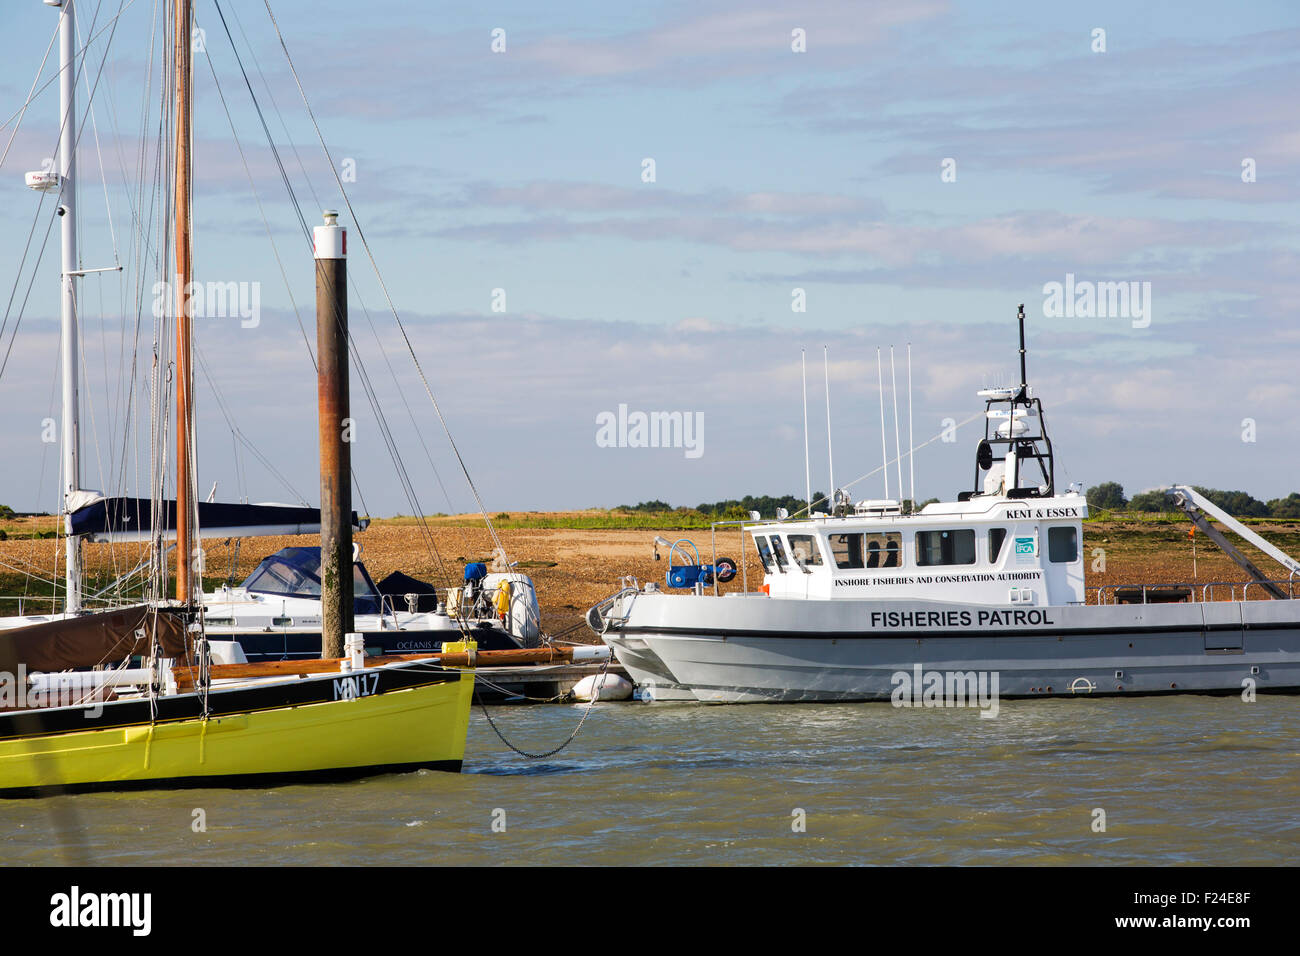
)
(330, 241)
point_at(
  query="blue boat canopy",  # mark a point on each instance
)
(295, 572)
(131, 519)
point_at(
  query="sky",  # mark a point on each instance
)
(625, 208)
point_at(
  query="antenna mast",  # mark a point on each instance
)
(1024, 379)
(911, 436)
(898, 449)
(884, 451)
(807, 467)
(830, 457)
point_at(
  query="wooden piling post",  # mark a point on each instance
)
(334, 423)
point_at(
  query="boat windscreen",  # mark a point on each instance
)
(295, 572)
(362, 587)
(275, 575)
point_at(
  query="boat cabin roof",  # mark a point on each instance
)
(981, 509)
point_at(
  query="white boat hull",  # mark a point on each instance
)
(768, 650)
(652, 678)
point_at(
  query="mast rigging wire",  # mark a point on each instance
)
(363, 373)
(384, 286)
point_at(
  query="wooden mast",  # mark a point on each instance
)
(183, 16)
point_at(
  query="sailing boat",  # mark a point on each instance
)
(167, 723)
(275, 613)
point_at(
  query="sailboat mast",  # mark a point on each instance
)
(69, 350)
(183, 17)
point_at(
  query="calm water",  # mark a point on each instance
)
(1185, 780)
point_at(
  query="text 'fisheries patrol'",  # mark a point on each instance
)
(1037, 617)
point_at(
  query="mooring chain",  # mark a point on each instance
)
(599, 684)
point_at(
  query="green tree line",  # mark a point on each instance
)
(735, 509)
(1109, 496)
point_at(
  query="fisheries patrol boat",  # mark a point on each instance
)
(866, 602)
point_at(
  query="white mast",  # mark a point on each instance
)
(830, 457)
(68, 228)
(898, 448)
(911, 438)
(884, 451)
(807, 468)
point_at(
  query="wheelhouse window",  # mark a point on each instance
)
(778, 552)
(997, 538)
(1062, 545)
(945, 547)
(804, 550)
(884, 550)
(846, 549)
(764, 553)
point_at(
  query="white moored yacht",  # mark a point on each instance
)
(868, 601)
(275, 614)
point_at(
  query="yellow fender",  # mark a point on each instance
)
(503, 599)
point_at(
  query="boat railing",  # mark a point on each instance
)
(1210, 591)
(412, 599)
(1289, 584)
(31, 605)
(597, 618)
(389, 602)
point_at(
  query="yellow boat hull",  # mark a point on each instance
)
(396, 730)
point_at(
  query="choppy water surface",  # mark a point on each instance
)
(1188, 780)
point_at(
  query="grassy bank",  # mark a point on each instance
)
(681, 519)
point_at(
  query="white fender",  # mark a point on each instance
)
(524, 619)
(604, 687)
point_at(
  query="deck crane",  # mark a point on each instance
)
(1196, 506)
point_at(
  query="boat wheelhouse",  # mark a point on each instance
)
(985, 550)
(1008, 540)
